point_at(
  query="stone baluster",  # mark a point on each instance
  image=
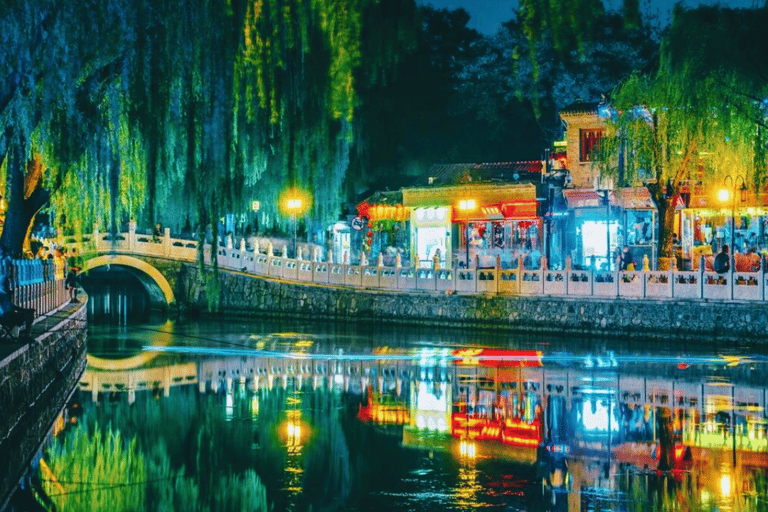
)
(132, 235)
(380, 260)
(363, 260)
(167, 242)
(242, 245)
(96, 236)
(398, 260)
(299, 253)
(270, 250)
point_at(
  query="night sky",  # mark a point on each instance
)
(487, 15)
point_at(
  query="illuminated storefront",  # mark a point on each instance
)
(479, 223)
(639, 225)
(595, 226)
(704, 224)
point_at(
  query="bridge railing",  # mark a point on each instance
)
(672, 284)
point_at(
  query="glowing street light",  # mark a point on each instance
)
(295, 202)
(467, 206)
(729, 193)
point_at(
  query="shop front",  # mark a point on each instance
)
(639, 226)
(705, 226)
(431, 236)
(475, 224)
(383, 222)
(595, 229)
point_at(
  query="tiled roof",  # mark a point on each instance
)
(581, 107)
(456, 174)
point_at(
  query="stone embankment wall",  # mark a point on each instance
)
(35, 383)
(242, 294)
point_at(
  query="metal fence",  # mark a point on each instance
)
(37, 284)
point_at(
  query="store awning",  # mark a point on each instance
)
(517, 210)
(636, 198)
(491, 213)
(585, 198)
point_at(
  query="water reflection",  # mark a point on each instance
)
(312, 419)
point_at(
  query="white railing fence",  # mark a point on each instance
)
(672, 284)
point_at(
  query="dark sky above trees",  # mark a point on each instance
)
(488, 15)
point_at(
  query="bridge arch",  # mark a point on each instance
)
(129, 261)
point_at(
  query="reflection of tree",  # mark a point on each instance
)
(183, 455)
(327, 472)
(690, 491)
(104, 471)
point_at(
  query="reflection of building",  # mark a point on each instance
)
(572, 405)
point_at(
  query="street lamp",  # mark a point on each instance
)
(724, 194)
(467, 206)
(293, 206)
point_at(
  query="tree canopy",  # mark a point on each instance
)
(698, 116)
(179, 111)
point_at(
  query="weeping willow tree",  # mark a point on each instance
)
(693, 119)
(55, 101)
(175, 111)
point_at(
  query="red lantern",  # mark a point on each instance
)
(370, 233)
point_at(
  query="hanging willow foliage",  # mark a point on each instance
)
(695, 118)
(180, 112)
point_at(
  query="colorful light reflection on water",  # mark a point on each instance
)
(403, 420)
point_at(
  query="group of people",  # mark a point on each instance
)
(64, 260)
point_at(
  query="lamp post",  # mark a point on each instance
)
(467, 206)
(729, 192)
(293, 206)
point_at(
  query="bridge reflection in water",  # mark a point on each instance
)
(578, 431)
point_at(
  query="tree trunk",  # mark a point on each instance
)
(25, 198)
(666, 208)
(665, 199)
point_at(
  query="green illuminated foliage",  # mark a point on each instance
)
(177, 111)
(697, 117)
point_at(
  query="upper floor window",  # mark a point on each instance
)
(588, 143)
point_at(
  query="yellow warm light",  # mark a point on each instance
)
(725, 485)
(467, 204)
(295, 202)
(467, 449)
(723, 195)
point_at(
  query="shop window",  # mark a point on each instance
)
(588, 143)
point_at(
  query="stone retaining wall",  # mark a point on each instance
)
(35, 382)
(242, 294)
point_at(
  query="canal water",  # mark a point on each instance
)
(237, 415)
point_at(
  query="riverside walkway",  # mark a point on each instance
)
(37, 374)
(261, 261)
